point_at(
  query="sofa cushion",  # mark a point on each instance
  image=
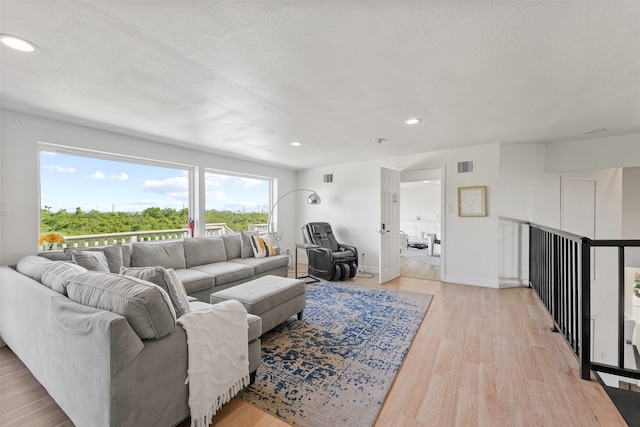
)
(57, 273)
(245, 244)
(262, 246)
(166, 254)
(91, 260)
(126, 255)
(167, 280)
(255, 326)
(195, 280)
(146, 307)
(255, 322)
(32, 266)
(233, 245)
(226, 272)
(204, 250)
(262, 265)
(113, 253)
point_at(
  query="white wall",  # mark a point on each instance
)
(600, 153)
(19, 181)
(631, 203)
(352, 205)
(518, 173)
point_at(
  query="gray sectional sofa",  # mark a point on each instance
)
(93, 361)
(203, 264)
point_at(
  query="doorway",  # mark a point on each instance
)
(421, 238)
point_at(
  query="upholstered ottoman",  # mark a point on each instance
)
(273, 298)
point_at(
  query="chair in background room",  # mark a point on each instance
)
(330, 260)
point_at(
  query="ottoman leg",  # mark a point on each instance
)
(300, 315)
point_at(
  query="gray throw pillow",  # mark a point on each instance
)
(91, 260)
(167, 280)
(204, 250)
(246, 249)
(167, 254)
(114, 254)
(146, 307)
(56, 274)
(233, 245)
(32, 266)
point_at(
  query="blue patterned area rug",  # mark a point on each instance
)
(336, 366)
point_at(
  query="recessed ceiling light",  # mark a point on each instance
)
(296, 143)
(413, 121)
(18, 43)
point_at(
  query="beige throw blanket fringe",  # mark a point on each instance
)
(218, 357)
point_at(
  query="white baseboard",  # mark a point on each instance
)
(471, 281)
(513, 283)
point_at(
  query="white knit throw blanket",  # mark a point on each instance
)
(218, 357)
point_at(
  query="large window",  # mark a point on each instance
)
(237, 202)
(116, 199)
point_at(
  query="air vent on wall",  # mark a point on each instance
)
(328, 177)
(467, 166)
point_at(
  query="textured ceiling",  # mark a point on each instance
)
(247, 78)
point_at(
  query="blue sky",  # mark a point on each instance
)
(69, 181)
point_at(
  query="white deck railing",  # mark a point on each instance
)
(89, 240)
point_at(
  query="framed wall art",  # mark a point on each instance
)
(472, 201)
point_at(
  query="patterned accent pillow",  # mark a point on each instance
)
(262, 246)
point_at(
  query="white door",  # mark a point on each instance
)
(389, 224)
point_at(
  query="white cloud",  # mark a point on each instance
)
(97, 175)
(60, 169)
(217, 195)
(122, 177)
(247, 182)
(212, 181)
(177, 187)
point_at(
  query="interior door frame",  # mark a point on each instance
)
(389, 226)
(443, 212)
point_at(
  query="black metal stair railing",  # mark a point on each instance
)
(560, 273)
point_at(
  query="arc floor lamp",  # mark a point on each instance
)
(313, 199)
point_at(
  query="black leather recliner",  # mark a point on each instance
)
(331, 260)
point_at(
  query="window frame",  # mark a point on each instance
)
(272, 182)
(191, 170)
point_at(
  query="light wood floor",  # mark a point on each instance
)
(418, 270)
(482, 357)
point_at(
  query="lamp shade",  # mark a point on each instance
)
(314, 199)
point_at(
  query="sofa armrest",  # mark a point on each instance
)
(71, 349)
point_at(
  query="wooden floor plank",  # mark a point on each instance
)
(482, 357)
